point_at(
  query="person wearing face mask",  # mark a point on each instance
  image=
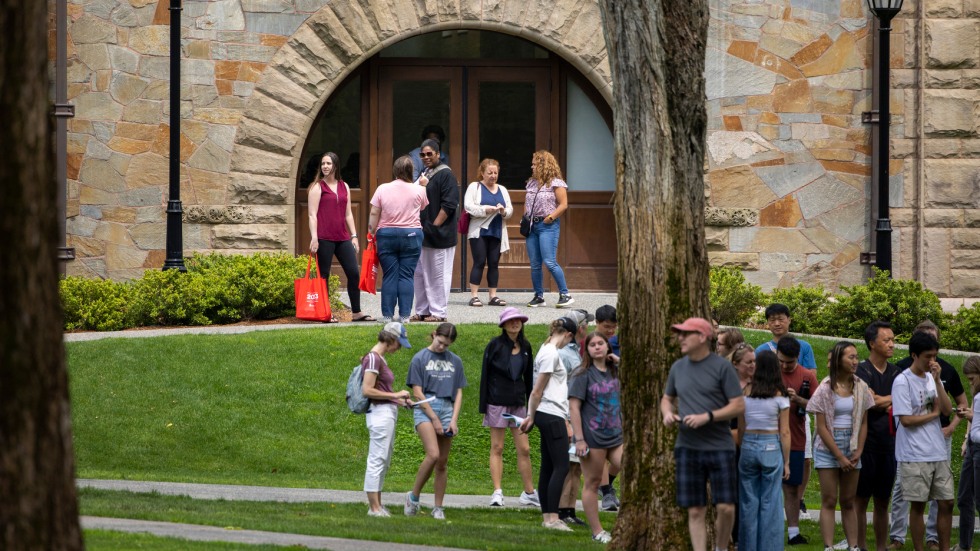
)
(437, 381)
(488, 205)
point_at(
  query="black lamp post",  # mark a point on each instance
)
(884, 11)
(175, 230)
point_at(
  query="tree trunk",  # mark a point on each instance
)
(38, 502)
(656, 57)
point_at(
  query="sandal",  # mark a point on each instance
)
(497, 301)
(475, 301)
(365, 317)
(416, 317)
(433, 319)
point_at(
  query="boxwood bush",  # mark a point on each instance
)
(733, 299)
(806, 305)
(215, 289)
(963, 331)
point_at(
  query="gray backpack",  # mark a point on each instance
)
(356, 401)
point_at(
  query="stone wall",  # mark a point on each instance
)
(788, 158)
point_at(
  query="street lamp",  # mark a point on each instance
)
(175, 230)
(884, 11)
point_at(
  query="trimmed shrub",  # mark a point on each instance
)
(963, 332)
(902, 302)
(805, 305)
(733, 299)
(94, 304)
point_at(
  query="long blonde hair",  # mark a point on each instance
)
(972, 367)
(544, 168)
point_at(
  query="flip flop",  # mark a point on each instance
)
(365, 317)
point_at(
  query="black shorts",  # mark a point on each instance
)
(696, 467)
(877, 475)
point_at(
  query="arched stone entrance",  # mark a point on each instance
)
(322, 52)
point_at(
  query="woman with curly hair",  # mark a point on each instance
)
(546, 200)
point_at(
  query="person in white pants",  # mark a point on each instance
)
(383, 413)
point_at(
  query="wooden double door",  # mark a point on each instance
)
(486, 110)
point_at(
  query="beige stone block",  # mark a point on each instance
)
(89, 29)
(942, 218)
(970, 78)
(310, 47)
(218, 115)
(357, 23)
(255, 161)
(745, 261)
(97, 106)
(781, 262)
(114, 234)
(251, 189)
(952, 113)
(945, 9)
(269, 111)
(825, 240)
(965, 260)
(901, 217)
(942, 78)
(99, 174)
(849, 254)
(965, 283)
(151, 40)
(843, 55)
(86, 246)
(205, 187)
(211, 157)
(129, 146)
(716, 238)
(971, 8)
(144, 111)
(783, 239)
(333, 33)
(93, 56)
(938, 148)
(298, 85)
(125, 88)
(952, 183)
(952, 43)
(262, 136)
(965, 238)
(148, 169)
(149, 236)
(971, 218)
(738, 186)
(935, 260)
(120, 214)
(135, 131)
(388, 20)
(253, 236)
(272, 214)
(792, 97)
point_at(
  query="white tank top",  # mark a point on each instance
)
(763, 413)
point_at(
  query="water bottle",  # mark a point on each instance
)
(803, 393)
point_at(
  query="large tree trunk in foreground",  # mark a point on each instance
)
(38, 504)
(656, 57)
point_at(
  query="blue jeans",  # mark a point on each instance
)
(967, 496)
(760, 495)
(542, 246)
(398, 251)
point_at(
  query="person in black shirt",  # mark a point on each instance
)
(878, 458)
(954, 387)
(433, 275)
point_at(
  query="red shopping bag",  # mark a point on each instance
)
(369, 268)
(312, 301)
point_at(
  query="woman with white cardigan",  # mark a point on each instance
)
(488, 205)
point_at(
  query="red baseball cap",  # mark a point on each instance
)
(695, 325)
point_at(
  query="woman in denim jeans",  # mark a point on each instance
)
(546, 200)
(840, 402)
(395, 210)
(969, 491)
(763, 432)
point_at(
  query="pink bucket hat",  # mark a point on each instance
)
(510, 313)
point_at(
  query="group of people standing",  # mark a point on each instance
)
(569, 391)
(414, 221)
(881, 432)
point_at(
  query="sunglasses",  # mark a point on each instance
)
(427, 154)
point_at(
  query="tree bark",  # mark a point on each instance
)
(38, 502)
(656, 57)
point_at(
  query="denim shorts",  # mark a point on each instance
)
(443, 408)
(823, 459)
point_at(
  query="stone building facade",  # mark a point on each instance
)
(788, 159)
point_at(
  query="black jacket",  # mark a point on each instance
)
(499, 384)
(443, 194)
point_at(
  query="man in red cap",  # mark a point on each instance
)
(701, 397)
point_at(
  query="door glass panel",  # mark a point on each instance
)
(417, 104)
(507, 128)
(338, 129)
(589, 164)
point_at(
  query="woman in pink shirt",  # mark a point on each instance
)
(332, 229)
(395, 222)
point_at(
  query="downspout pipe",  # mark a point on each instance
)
(62, 112)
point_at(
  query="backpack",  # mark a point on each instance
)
(356, 401)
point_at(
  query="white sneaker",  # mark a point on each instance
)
(557, 525)
(841, 545)
(602, 537)
(382, 512)
(497, 498)
(806, 516)
(411, 505)
(438, 513)
(530, 499)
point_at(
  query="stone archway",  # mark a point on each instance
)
(323, 51)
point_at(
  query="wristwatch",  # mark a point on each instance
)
(353, 236)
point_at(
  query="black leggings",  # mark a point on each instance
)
(554, 460)
(486, 251)
(344, 251)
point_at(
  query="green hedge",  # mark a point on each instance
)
(904, 303)
(215, 289)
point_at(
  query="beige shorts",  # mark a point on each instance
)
(926, 481)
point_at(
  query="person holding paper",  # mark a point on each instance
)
(504, 388)
(436, 374)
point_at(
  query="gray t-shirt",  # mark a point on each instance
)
(439, 375)
(701, 387)
(602, 423)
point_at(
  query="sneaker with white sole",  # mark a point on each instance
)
(438, 513)
(382, 512)
(536, 301)
(411, 505)
(530, 499)
(564, 300)
(805, 516)
(602, 537)
(557, 525)
(609, 502)
(497, 498)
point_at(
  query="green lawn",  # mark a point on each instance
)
(267, 408)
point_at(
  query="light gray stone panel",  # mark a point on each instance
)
(151, 214)
(123, 59)
(99, 174)
(282, 24)
(952, 113)
(740, 239)
(262, 136)
(728, 76)
(211, 157)
(785, 179)
(200, 95)
(824, 194)
(952, 183)
(97, 106)
(104, 130)
(151, 40)
(144, 111)
(143, 197)
(256, 236)
(126, 15)
(848, 222)
(125, 88)
(94, 56)
(225, 15)
(99, 8)
(197, 71)
(309, 6)
(267, 6)
(765, 279)
(251, 189)
(965, 283)
(149, 236)
(79, 72)
(782, 262)
(332, 33)
(155, 67)
(935, 259)
(82, 226)
(965, 259)
(255, 161)
(89, 29)
(222, 135)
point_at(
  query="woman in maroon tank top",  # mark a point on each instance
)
(332, 229)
